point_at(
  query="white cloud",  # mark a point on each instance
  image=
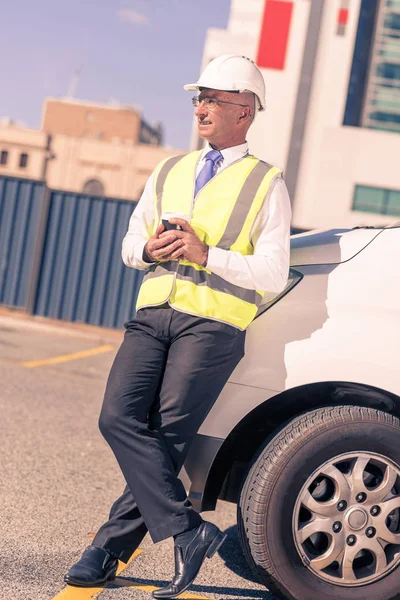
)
(133, 16)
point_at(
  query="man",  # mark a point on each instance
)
(203, 285)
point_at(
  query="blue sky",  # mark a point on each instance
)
(136, 51)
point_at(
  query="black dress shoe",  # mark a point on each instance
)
(95, 568)
(188, 561)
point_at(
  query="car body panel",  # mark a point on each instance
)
(323, 247)
(195, 472)
(234, 403)
(340, 323)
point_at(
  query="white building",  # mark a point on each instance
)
(332, 72)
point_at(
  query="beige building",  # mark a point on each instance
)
(87, 120)
(22, 151)
(105, 150)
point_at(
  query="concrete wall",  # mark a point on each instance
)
(366, 157)
(333, 158)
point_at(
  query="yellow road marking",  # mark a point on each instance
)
(67, 357)
(151, 588)
(76, 593)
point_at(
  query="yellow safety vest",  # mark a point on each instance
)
(222, 215)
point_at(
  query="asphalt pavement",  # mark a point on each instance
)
(58, 478)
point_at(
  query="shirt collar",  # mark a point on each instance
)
(229, 154)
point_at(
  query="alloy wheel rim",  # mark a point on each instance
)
(346, 520)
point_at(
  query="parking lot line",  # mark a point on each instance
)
(67, 357)
(76, 593)
(184, 596)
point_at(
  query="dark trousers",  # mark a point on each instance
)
(166, 376)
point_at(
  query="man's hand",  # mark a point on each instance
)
(159, 248)
(191, 248)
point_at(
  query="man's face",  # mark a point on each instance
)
(218, 125)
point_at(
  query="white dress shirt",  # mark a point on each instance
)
(267, 269)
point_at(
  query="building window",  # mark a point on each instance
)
(94, 187)
(382, 101)
(388, 70)
(380, 201)
(3, 157)
(151, 135)
(392, 20)
(361, 59)
(23, 160)
(374, 88)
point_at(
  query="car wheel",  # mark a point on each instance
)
(319, 512)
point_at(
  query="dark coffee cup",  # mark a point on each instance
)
(168, 226)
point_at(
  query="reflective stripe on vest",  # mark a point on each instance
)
(160, 180)
(201, 276)
(222, 215)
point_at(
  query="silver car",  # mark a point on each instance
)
(305, 436)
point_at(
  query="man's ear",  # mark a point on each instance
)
(245, 114)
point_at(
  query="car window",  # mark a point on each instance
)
(269, 298)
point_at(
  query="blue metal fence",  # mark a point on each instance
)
(80, 275)
(20, 210)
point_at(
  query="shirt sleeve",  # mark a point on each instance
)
(140, 229)
(268, 268)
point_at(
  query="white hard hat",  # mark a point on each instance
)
(232, 73)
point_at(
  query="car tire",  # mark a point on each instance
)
(271, 510)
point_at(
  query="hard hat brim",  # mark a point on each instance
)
(191, 86)
(196, 87)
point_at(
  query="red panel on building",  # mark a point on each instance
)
(343, 16)
(274, 35)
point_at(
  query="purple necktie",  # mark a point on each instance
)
(207, 171)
